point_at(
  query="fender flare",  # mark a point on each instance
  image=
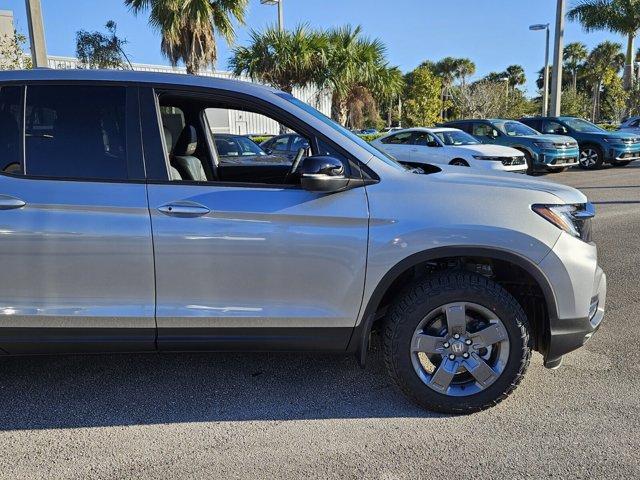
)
(359, 341)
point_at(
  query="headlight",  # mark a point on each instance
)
(614, 141)
(487, 157)
(545, 145)
(573, 219)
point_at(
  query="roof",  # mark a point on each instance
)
(128, 76)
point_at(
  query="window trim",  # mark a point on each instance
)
(133, 141)
(252, 104)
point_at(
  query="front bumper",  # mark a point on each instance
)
(570, 334)
(623, 154)
(560, 158)
(580, 290)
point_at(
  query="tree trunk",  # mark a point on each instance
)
(575, 79)
(628, 67)
(595, 102)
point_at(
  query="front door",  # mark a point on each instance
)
(75, 235)
(253, 261)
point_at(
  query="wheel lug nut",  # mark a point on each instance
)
(456, 336)
(468, 341)
(445, 344)
(465, 355)
(452, 357)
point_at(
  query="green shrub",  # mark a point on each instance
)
(260, 139)
(370, 137)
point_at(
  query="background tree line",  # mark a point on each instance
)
(601, 84)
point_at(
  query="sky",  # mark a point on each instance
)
(492, 33)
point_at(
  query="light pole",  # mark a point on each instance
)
(545, 88)
(556, 79)
(36, 33)
(280, 12)
(506, 81)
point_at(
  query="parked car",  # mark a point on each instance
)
(449, 146)
(631, 125)
(240, 149)
(106, 248)
(597, 146)
(544, 153)
(287, 145)
(368, 131)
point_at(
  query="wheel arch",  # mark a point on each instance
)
(359, 341)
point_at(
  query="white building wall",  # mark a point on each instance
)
(238, 122)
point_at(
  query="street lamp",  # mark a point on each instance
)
(280, 13)
(506, 80)
(545, 91)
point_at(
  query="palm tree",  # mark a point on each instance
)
(353, 61)
(465, 69)
(619, 16)
(515, 74)
(390, 88)
(574, 56)
(604, 58)
(188, 27)
(448, 70)
(284, 59)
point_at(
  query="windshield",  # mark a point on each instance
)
(456, 137)
(237, 146)
(582, 126)
(515, 129)
(340, 129)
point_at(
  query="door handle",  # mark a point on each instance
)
(184, 209)
(10, 203)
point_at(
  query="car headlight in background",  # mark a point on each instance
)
(545, 145)
(575, 219)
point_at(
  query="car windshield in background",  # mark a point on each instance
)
(455, 137)
(339, 128)
(515, 129)
(237, 147)
(582, 126)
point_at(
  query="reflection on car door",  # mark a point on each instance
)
(77, 257)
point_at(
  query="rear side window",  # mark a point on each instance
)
(75, 132)
(403, 138)
(10, 122)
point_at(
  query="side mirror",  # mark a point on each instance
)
(432, 144)
(322, 173)
(268, 151)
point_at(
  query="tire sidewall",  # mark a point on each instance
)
(598, 163)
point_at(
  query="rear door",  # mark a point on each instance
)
(75, 234)
(399, 145)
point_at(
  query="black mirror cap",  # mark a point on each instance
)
(323, 174)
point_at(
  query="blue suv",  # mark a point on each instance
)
(597, 146)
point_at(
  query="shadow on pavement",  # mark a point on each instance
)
(108, 390)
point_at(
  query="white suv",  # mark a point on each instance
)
(449, 146)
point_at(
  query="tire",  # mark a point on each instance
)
(417, 303)
(591, 157)
(529, 159)
(623, 163)
(459, 162)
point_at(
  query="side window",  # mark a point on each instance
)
(482, 130)
(76, 132)
(550, 126)
(280, 144)
(424, 139)
(402, 138)
(10, 127)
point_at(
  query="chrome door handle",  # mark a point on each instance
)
(184, 209)
(10, 203)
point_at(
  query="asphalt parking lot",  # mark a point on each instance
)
(294, 416)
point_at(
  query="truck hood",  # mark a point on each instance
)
(617, 134)
(546, 137)
(494, 181)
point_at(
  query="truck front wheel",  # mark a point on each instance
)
(456, 342)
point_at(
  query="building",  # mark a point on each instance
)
(6, 23)
(226, 121)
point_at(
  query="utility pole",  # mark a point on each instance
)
(36, 33)
(545, 83)
(280, 11)
(556, 80)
